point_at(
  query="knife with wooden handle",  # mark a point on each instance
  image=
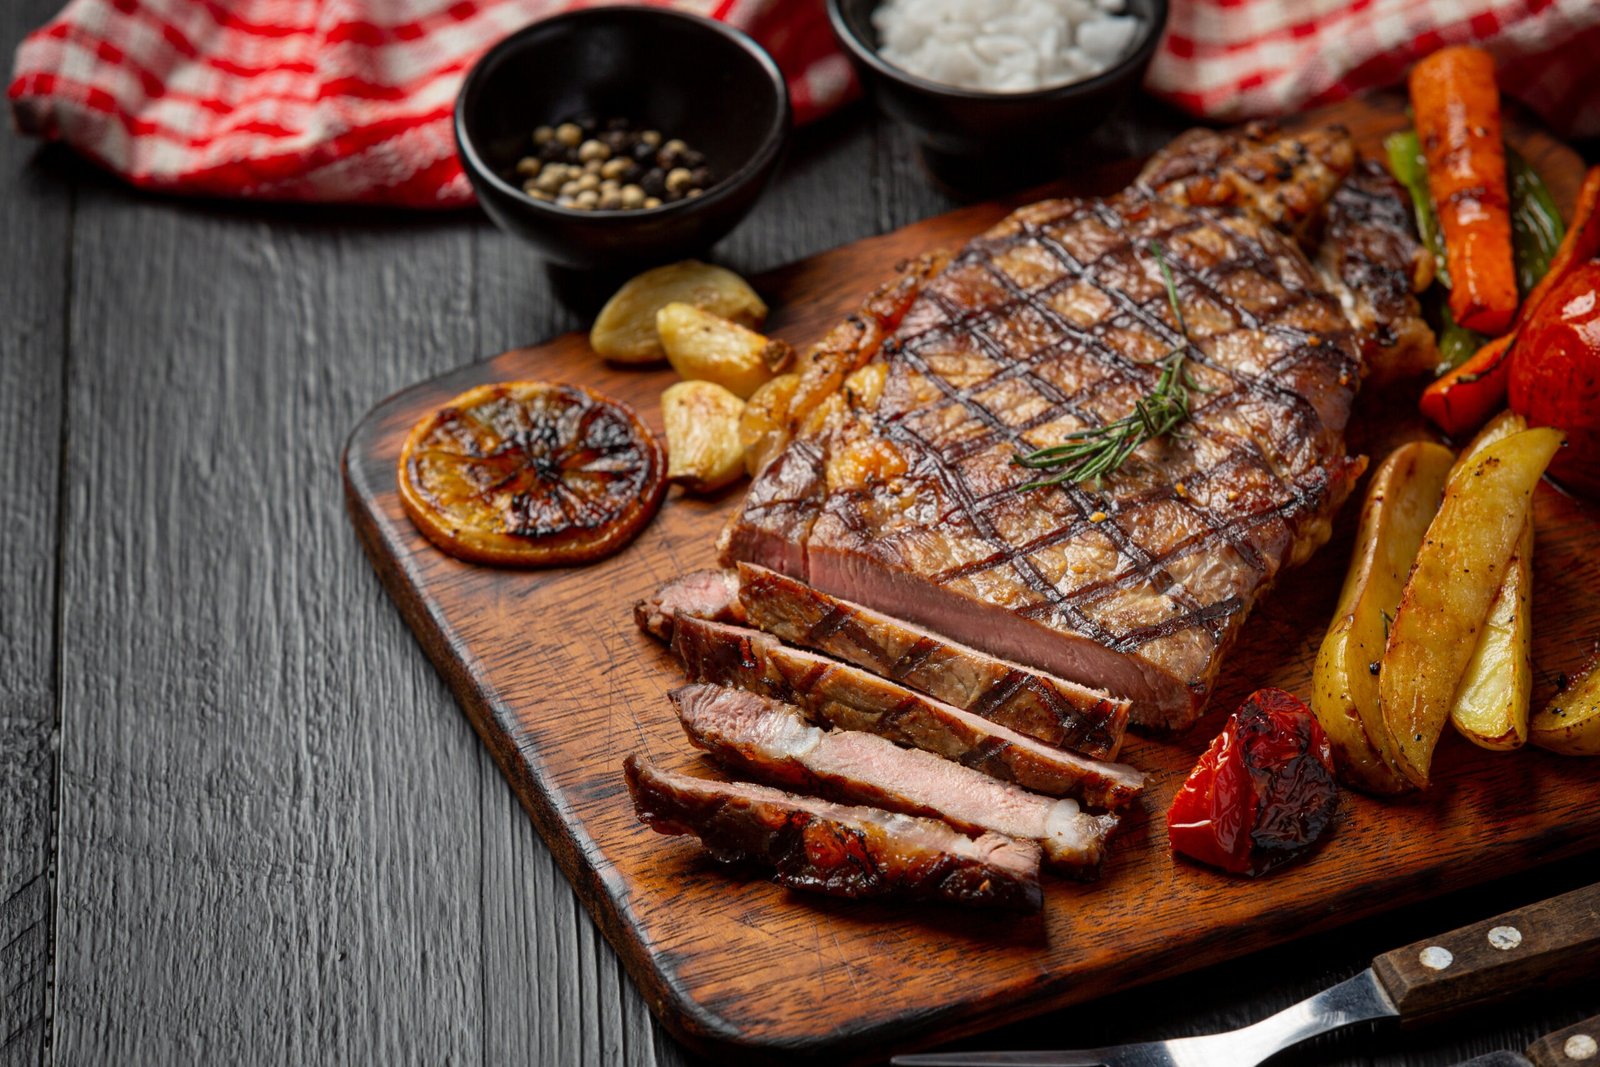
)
(1576, 1046)
(1551, 943)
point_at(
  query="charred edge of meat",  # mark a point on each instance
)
(845, 697)
(1056, 711)
(837, 850)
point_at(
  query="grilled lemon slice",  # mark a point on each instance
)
(531, 474)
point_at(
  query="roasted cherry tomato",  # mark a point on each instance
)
(1262, 794)
(1555, 377)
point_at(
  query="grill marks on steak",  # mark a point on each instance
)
(1372, 259)
(848, 698)
(1053, 321)
(769, 741)
(839, 850)
(1060, 713)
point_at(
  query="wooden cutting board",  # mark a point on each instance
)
(560, 686)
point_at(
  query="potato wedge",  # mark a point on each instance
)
(1570, 723)
(1401, 500)
(703, 449)
(625, 330)
(705, 347)
(1491, 704)
(1460, 566)
(764, 427)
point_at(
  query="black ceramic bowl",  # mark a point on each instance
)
(965, 122)
(686, 76)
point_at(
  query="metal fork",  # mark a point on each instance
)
(1556, 940)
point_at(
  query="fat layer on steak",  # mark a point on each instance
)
(840, 850)
(764, 739)
(1058, 712)
(845, 697)
(903, 496)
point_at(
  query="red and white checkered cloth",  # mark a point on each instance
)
(350, 100)
(1236, 59)
(334, 100)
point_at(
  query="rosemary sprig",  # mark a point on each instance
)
(1095, 451)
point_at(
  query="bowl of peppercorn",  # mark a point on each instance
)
(621, 136)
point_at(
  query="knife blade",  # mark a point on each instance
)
(1548, 943)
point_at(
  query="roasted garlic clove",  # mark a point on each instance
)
(625, 330)
(703, 449)
(764, 428)
(710, 348)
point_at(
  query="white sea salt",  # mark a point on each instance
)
(1004, 45)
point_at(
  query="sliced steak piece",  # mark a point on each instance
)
(839, 850)
(707, 594)
(907, 500)
(1058, 712)
(1371, 259)
(833, 694)
(764, 739)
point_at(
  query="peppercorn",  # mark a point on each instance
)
(585, 163)
(679, 180)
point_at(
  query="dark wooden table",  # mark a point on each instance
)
(241, 819)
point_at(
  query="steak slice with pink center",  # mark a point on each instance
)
(836, 849)
(767, 740)
(846, 697)
(1057, 712)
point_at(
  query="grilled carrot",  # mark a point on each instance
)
(1457, 109)
(1464, 397)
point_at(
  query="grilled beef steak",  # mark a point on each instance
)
(1061, 713)
(835, 849)
(903, 497)
(707, 594)
(766, 740)
(1371, 259)
(833, 694)
(1282, 179)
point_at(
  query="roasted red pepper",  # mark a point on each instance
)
(1262, 794)
(1462, 399)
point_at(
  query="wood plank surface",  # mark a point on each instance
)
(35, 219)
(560, 687)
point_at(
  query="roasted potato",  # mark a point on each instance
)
(703, 449)
(1570, 724)
(625, 331)
(1401, 501)
(763, 429)
(1491, 704)
(1459, 568)
(705, 347)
